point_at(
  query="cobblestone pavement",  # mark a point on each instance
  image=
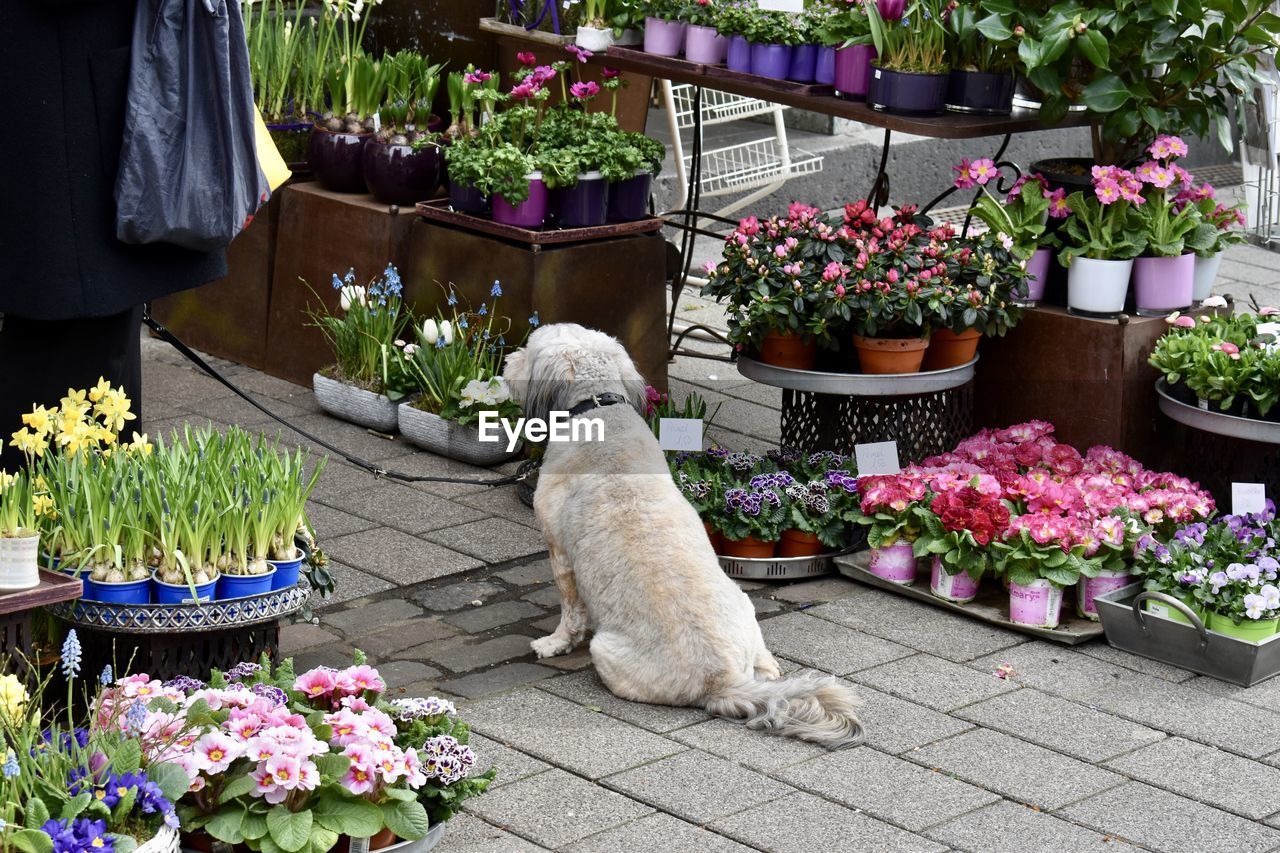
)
(1080, 749)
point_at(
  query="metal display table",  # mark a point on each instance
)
(15, 616)
(925, 413)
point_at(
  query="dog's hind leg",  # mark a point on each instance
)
(766, 667)
(573, 613)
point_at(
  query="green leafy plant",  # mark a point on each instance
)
(909, 36)
(1104, 224)
(772, 27)
(981, 38)
(984, 277)
(363, 332)
(840, 24)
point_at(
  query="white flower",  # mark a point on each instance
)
(501, 391)
(1214, 302)
(473, 392)
(398, 342)
(446, 331)
(352, 294)
(410, 349)
(430, 331)
(1005, 240)
(1270, 596)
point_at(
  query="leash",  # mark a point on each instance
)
(527, 470)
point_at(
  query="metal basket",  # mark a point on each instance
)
(184, 618)
(786, 568)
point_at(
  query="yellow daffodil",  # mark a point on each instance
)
(106, 435)
(140, 445)
(30, 443)
(114, 410)
(77, 435)
(40, 419)
(13, 697)
(44, 506)
(6, 480)
(97, 392)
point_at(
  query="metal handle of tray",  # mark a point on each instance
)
(1140, 615)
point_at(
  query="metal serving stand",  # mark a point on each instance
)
(925, 413)
(1189, 646)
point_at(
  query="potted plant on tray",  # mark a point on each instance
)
(891, 508)
(845, 29)
(753, 516)
(956, 535)
(911, 69)
(703, 43)
(402, 162)
(773, 36)
(19, 535)
(360, 387)
(664, 27)
(732, 21)
(1100, 239)
(984, 52)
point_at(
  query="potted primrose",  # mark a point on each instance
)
(957, 530)
(1040, 558)
(1101, 237)
(892, 508)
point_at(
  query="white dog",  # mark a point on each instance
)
(633, 562)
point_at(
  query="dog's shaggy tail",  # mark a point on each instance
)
(809, 707)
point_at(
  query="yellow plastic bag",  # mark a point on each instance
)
(269, 159)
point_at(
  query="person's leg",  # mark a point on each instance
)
(40, 360)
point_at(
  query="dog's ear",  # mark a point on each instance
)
(632, 381)
(516, 372)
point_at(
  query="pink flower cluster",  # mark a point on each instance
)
(326, 686)
(367, 737)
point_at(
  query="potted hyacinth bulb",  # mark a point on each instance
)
(403, 163)
(357, 89)
(910, 72)
(19, 536)
(594, 32)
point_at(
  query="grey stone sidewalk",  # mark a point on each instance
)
(1077, 749)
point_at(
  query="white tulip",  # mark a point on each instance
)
(446, 331)
(351, 294)
(430, 331)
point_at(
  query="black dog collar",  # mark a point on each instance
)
(596, 402)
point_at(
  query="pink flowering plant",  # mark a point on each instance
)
(984, 278)
(1171, 227)
(1023, 214)
(1104, 224)
(1225, 221)
(1222, 360)
(892, 508)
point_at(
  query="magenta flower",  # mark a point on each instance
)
(1058, 204)
(964, 180)
(477, 77)
(609, 73)
(315, 684)
(524, 91)
(580, 52)
(891, 10)
(983, 170)
(527, 59)
(585, 90)
(1107, 190)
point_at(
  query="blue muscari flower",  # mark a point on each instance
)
(462, 322)
(502, 341)
(136, 716)
(533, 320)
(453, 298)
(484, 309)
(496, 290)
(337, 282)
(440, 344)
(350, 277)
(392, 280)
(11, 767)
(71, 655)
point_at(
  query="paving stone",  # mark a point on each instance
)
(303, 635)
(469, 834)
(233, 410)
(388, 641)
(586, 689)
(352, 584)
(178, 386)
(895, 725)
(399, 557)
(503, 502)
(1058, 724)
(1159, 669)
(566, 734)
(1006, 827)
(382, 614)
(398, 673)
(1249, 273)
(354, 440)
(547, 596)
(825, 645)
(513, 765)
(493, 540)
(331, 523)
(256, 383)
(807, 592)
(1019, 770)
(802, 823)
(748, 747)
(887, 787)
(463, 655)
(765, 606)
(403, 508)
(1264, 695)
(334, 654)
(555, 808)
(1231, 783)
(1162, 821)
(928, 629)
(456, 596)
(537, 571)
(1054, 669)
(474, 620)
(546, 626)
(423, 464)
(577, 659)
(933, 682)
(497, 680)
(697, 786)
(657, 832)
(339, 478)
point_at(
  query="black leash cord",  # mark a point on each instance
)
(199, 362)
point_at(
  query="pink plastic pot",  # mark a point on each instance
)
(1037, 277)
(1162, 285)
(895, 563)
(853, 71)
(1039, 603)
(663, 38)
(1090, 588)
(958, 587)
(705, 46)
(530, 213)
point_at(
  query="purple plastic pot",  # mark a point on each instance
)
(980, 92)
(530, 213)
(907, 92)
(804, 62)
(337, 159)
(739, 56)
(853, 71)
(824, 70)
(771, 60)
(465, 198)
(1037, 277)
(397, 174)
(1161, 285)
(663, 38)
(629, 199)
(582, 205)
(705, 46)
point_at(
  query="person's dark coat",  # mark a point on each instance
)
(66, 68)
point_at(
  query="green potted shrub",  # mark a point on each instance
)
(984, 52)
(979, 297)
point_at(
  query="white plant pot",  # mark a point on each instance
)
(353, 404)
(164, 841)
(19, 568)
(1205, 275)
(451, 439)
(596, 40)
(1096, 287)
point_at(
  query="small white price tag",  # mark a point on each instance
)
(1248, 498)
(377, 122)
(877, 457)
(781, 5)
(680, 433)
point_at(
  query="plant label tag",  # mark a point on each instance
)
(1158, 609)
(680, 433)
(1248, 498)
(877, 457)
(1269, 329)
(782, 5)
(377, 122)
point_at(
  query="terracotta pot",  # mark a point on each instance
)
(948, 349)
(789, 350)
(716, 538)
(890, 355)
(203, 842)
(797, 543)
(750, 547)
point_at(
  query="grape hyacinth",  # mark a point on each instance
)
(107, 676)
(71, 655)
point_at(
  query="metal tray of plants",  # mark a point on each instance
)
(857, 384)
(1219, 423)
(177, 618)
(784, 568)
(1189, 644)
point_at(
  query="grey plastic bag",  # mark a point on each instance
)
(189, 171)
